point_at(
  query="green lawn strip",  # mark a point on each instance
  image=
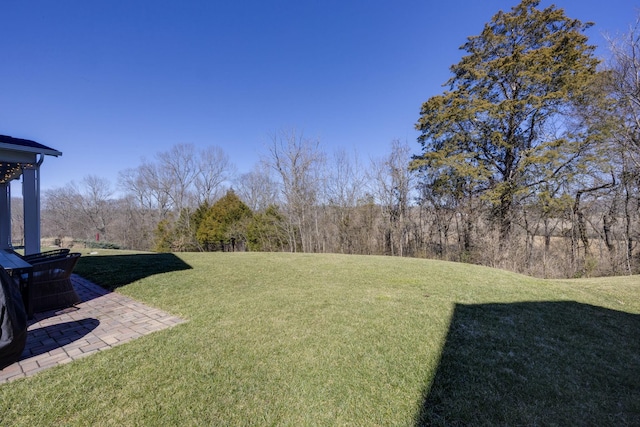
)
(300, 339)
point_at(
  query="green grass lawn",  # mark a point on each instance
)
(300, 339)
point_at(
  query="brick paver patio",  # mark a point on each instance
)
(102, 320)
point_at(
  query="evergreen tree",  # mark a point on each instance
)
(224, 223)
(164, 236)
(500, 128)
(267, 231)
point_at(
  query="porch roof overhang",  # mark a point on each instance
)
(22, 157)
(16, 154)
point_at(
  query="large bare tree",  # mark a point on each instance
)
(258, 188)
(344, 191)
(214, 169)
(393, 183)
(624, 87)
(297, 161)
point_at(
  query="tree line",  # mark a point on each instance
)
(529, 160)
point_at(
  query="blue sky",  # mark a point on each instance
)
(109, 82)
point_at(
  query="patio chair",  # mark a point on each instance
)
(50, 286)
(43, 256)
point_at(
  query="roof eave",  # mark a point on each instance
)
(35, 150)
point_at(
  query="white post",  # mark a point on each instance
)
(31, 202)
(5, 216)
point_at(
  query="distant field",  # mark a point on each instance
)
(324, 340)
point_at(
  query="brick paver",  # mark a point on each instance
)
(102, 320)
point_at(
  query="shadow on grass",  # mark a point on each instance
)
(113, 271)
(536, 363)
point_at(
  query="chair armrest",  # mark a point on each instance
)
(44, 256)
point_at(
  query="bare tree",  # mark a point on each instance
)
(96, 204)
(344, 191)
(257, 188)
(178, 169)
(624, 87)
(132, 227)
(297, 162)
(145, 185)
(61, 214)
(214, 168)
(393, 183)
